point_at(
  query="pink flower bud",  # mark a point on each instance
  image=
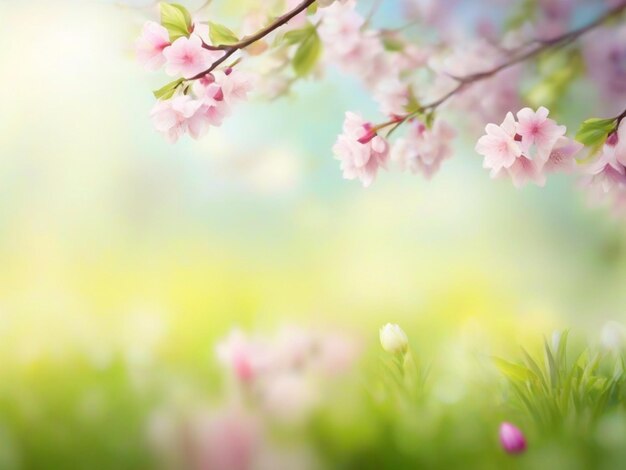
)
(370, 133)
(512, 439)
(219, 95)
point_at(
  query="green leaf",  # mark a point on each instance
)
(525, 12)
(512, 371)
(176, 19)
(312, 9)
(413, 105)
(220, 35)
(392, 44)
(594, 131)
(307, 55)
(551, 366)
(166, 92)
(296, 36)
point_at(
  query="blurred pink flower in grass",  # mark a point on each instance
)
(512, 439)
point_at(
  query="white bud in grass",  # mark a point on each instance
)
(393, 339)
(613, 336)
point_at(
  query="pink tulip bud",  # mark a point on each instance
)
(512, 439)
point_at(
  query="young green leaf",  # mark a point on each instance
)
(166, 92)
(220, 35)
(413, 105)
(296, 36)
(594, 131)
(176, 19)
(307, 55)
(392, 44)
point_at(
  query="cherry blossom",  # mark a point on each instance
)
(524, 171)
(356, 51)
(527, 149)
(245, 357)
(175, 116)
(151, 44)
(423, 150)
(605, 55)
(214, 108)
(187, 58)
(620, 146)
(605, 174)
(487, 100)
(392, 96)
(361, 150)
(499, 146)
(536, 129)
(561, 158)
(235, 85)
(475, 70)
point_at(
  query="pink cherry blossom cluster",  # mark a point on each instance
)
(282, 371)
(348, 44)
(362, 151)
(413, 78)
(272, 381)
(360, 51)
(528, 149)
(201, 100)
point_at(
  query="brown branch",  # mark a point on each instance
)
(466, 81)
(230, 49)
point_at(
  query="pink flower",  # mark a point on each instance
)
(361, 151)
(174, 117)
(537, 130)
(512, 439)
(341, 28)
(187, 58)
(561, 158)
(605, 55)
(524, 170)
(392, 96)
(227, 439)
(150, 45)
(355, 51)
(620, 147)
(235, 85)
(423, 150)
(214, 106)
(245, 357)
(499, 146)
(527, 149)
(605, 175)
(486, 100)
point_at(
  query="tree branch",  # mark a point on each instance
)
(559, 41)
(249, 40)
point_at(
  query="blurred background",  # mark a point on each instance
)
(123, 259)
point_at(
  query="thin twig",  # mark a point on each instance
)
(230, 49)
(464, 82)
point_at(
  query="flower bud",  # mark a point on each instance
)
(393, 339)
(512, 439)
